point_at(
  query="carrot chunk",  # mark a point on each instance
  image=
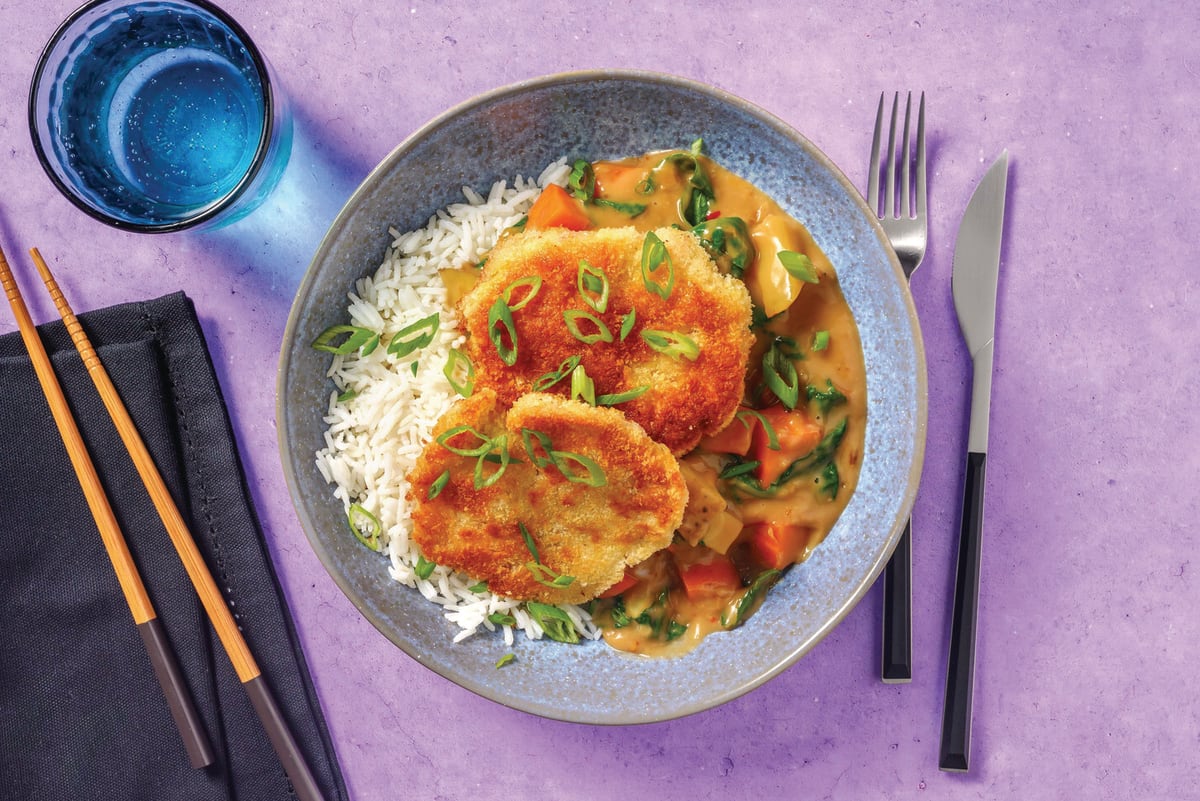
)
(709, 577)
(555, 208)
(776, 545)
(796, 433)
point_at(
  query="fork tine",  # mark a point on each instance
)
(889, 202)
(921, 158)
(873, 175)
(906, 186)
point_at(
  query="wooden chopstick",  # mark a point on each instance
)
(187, 720)
(228, 633)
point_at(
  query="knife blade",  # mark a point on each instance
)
(974, 283)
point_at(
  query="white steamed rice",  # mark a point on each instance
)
(375, 436)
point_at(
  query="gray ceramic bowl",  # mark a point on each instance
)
(518, 130)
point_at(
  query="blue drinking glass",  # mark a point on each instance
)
(158, 115)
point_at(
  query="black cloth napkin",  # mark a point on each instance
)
(81, 713)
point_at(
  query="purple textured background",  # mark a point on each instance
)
(1089, 633)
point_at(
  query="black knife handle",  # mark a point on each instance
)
(956, 713)
(897, 611)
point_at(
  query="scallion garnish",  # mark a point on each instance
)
(553, 621)
(654, 258)
(359, 518)
(500, 325)
(530, 545)
(416, 365)
(601, 334)
(348, 395)
(482, 446)
(502, 619)
(672, 344)
(627, 322)
(357, 337)
(478, 587)
(820, 340)
(547, 577)
(550, 379)
(534, 282)
(582, 180)
(780, 376)
(582, 386)
(507, 659)
(424, 568)
(413, 337)
(460, 372)
(592, 473)
(798, 266)
(496, 447)
(622, 397)
(593, 286)
(439, 484)
(528, 435)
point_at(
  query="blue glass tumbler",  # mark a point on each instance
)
(158, 115)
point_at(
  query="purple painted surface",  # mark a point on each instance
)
(1089, 628)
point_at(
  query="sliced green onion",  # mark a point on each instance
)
(622, 397)
(518, 226)
(498, 446)
(529, 543)
(768, 429)
(359, 518)
(592, 473)
(798, 266)
(780, 376)
(582, 386)
(553, 621)
(500, 322)
(439, 484)
(424, 568)
(460, 372)
(672, 344)
(371, 344)
(820, 340)
(627, 322)
(359, 337)
(593, 286)
(484, 443)
(528, 435)
(416, 365)
(478, 587)
(550, 379)
(572, 318)
(348, 395)
(632, 209)
(502, 619)
(507, 659)
(582, 180)
(413, 337)
(739, 469)
(534, 282)
(547, 577)
(654, 257)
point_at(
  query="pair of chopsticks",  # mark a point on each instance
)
(166, 669)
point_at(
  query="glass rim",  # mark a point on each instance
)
(230, 198)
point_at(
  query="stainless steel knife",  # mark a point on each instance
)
(976, 275)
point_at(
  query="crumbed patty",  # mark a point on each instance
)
(588, 533)
(686, 399)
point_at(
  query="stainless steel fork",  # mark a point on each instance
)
(905, 222)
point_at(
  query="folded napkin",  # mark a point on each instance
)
(81, 713)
